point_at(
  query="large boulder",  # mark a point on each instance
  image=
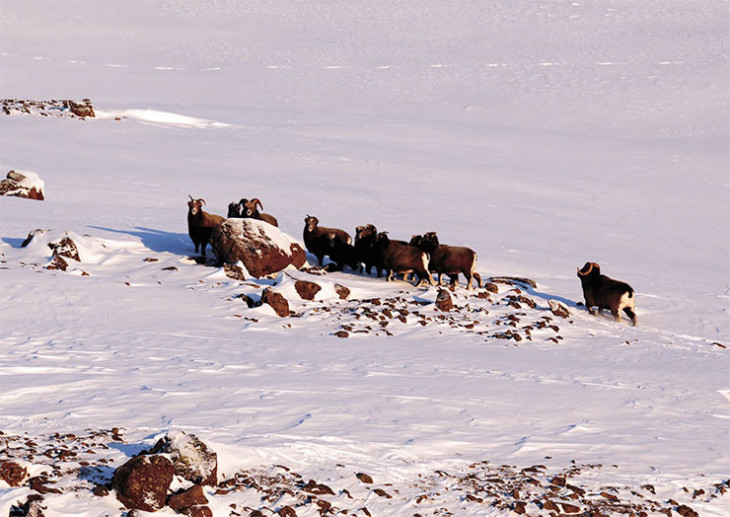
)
(143, 482)
(262, 248)
(192, 459)
(23, 184)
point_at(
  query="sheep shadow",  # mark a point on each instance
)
(156, 240)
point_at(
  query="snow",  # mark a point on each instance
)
(540, 134)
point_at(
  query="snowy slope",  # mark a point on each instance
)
(541, 134)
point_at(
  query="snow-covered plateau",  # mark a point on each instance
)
(543, 134)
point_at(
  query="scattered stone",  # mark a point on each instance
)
(559, 309)
(193, 496)
(23, 184)
(192, 459)
(276, 301)
(197, 511)
(307, 290)
(443, 301)
(342, 333)
(686, 511)
(315, 488)
(491, 287)
(342, 291)
(12, 473)
(143, 482)
(65, 247)
(234, 272)
(364, 478)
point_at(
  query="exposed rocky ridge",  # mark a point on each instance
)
(23, 184)
(83, 465)
(53, 108)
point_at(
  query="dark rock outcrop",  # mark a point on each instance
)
(276, 301)
(143, 482)
(307, 290)
(443, 301)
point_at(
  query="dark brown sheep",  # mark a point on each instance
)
(367, 254)
(448, 260)
(318, 239)
(606, 293)
(400, 257)
(200, 224)
(249, 208)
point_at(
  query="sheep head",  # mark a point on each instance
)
(195, 206)
(310, 222)
(590, 268)
(249, 206)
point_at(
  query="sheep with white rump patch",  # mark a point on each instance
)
(606, 293)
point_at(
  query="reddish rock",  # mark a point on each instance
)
(570, 508)
(298, 255)
(234, 272)
(23, 184)
(443, 301)
(143, 482)
(262, 248)
(12, 473)
(364, 478)
(491, 287)
(307, 290)
(288, 511)
(82, 109)
(197, 511)
(342, 291)
(559, 309)
(66, 248)
(193, 496)
(276, 301)
(191, 458)
(342, 333)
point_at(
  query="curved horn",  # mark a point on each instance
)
(587, 272)
(191, 197)
(201, 200)
(256, 201)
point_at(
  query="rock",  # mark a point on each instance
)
(12, 473)
(193, 496)
(276, 301)
(364, 478)
(234, 272)
(307, 290)
(191, 458)
(82, 109)
(559, 308)
(443, 301)
(491, 287)
(65, 248)
(143, 482)
(342, 291)
(23, 184)
(341, 333)
(262, 248)
(197, 511)
(686, 511)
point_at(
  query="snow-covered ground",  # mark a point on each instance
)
(542, 134)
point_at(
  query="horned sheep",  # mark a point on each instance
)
(400, 257)
(319, 240)
(200, 224)
(448, 260)
(606, 293)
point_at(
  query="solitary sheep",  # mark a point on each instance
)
(606, 293)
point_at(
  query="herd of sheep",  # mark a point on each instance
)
(422, 256)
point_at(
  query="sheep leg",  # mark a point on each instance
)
(478, 277)
(454, 280)
(631, 314)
